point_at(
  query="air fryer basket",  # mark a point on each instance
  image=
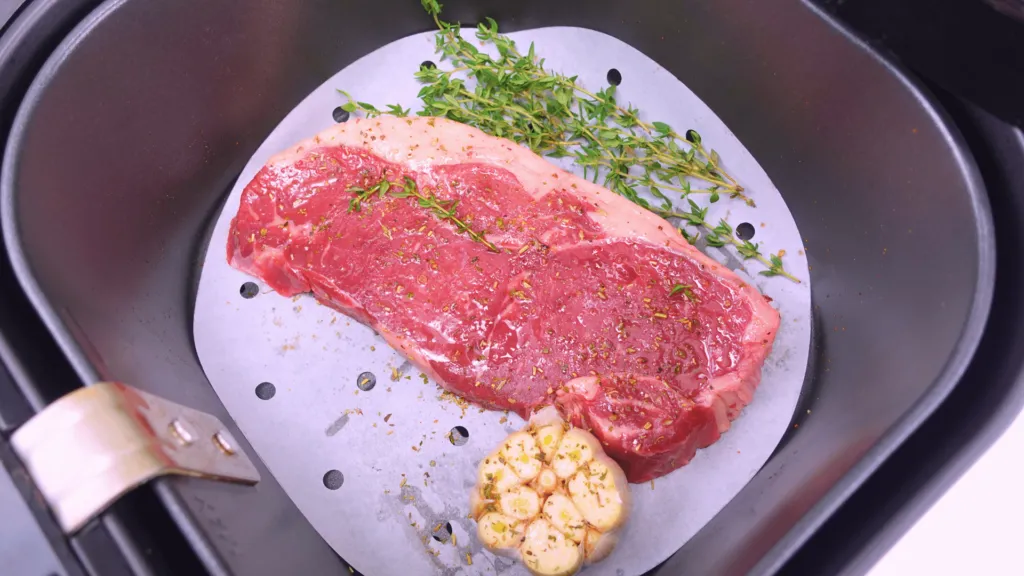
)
(136, 127)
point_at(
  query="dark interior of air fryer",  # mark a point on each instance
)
(137, 128)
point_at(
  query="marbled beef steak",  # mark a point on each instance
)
(575, 308)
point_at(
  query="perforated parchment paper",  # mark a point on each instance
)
(402, 479)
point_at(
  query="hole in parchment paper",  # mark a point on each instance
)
(249, 290)
(614, 77)
(745, 231)
(366, 381)
(443, 533)
(333, 479)
(427, 64)
(265, 390)
(340, 115)
(458, 435)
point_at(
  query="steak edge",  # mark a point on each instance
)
(575, 308)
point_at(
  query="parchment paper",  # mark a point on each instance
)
(403, 478)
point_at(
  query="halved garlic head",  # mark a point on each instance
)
(551, 497)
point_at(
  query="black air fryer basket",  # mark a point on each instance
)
(132, 132)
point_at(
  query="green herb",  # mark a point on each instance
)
(443, 209)
(687, 291)
(722, 234)
(775, 267)
(361, 195)
(513, 96)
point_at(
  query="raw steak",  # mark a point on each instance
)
(576, 307)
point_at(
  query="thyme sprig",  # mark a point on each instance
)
(514, 96)
(722, 234)
(442, 209)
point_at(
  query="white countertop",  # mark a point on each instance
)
(975, 528)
